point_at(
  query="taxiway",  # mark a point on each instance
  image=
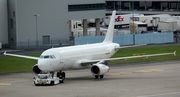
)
(155, 79)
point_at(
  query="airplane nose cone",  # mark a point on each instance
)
(41, 66)
(44, 66)
(48, 65)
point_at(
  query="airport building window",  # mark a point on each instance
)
(46, 40)
(84, 7)
(125, 5)
(11, 23)
(14, 14)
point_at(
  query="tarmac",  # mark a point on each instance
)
(154, 79)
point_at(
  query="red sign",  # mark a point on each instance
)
(119, 19)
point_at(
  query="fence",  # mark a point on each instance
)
(129, 39)
(125, 39)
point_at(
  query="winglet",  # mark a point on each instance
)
(5, 53)
(175, 53)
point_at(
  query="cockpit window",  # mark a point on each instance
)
(41, 57)
(47, 57)
(51, 57)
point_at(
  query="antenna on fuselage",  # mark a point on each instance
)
(110, 31)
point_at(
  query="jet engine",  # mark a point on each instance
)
(99, 69)
(36, 69)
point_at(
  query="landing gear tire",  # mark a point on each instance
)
(52, 82)
(96, 76)
(61, 76)
(101, 76)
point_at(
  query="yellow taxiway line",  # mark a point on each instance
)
(5, 84)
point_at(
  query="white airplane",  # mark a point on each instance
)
(94, 56)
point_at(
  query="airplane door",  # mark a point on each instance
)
(62, 62)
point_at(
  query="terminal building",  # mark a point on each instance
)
(37, 23)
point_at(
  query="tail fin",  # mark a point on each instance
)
(110, 31)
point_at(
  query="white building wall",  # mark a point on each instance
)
(53, 20)
(3, 22)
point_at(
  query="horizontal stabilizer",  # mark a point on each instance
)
(130, 46)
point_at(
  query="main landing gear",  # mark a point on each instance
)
(99, 76)
(61, 76)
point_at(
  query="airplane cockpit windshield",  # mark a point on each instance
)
(47, 57)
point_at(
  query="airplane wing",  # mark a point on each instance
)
(87, 62)
(22, 56)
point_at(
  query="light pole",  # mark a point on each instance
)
(36, 15)
(133, 23)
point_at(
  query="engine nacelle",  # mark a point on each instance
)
(99, 69)
(36, 69)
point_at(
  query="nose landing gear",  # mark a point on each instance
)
(61, 76)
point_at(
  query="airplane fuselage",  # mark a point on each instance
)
(70, 57)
